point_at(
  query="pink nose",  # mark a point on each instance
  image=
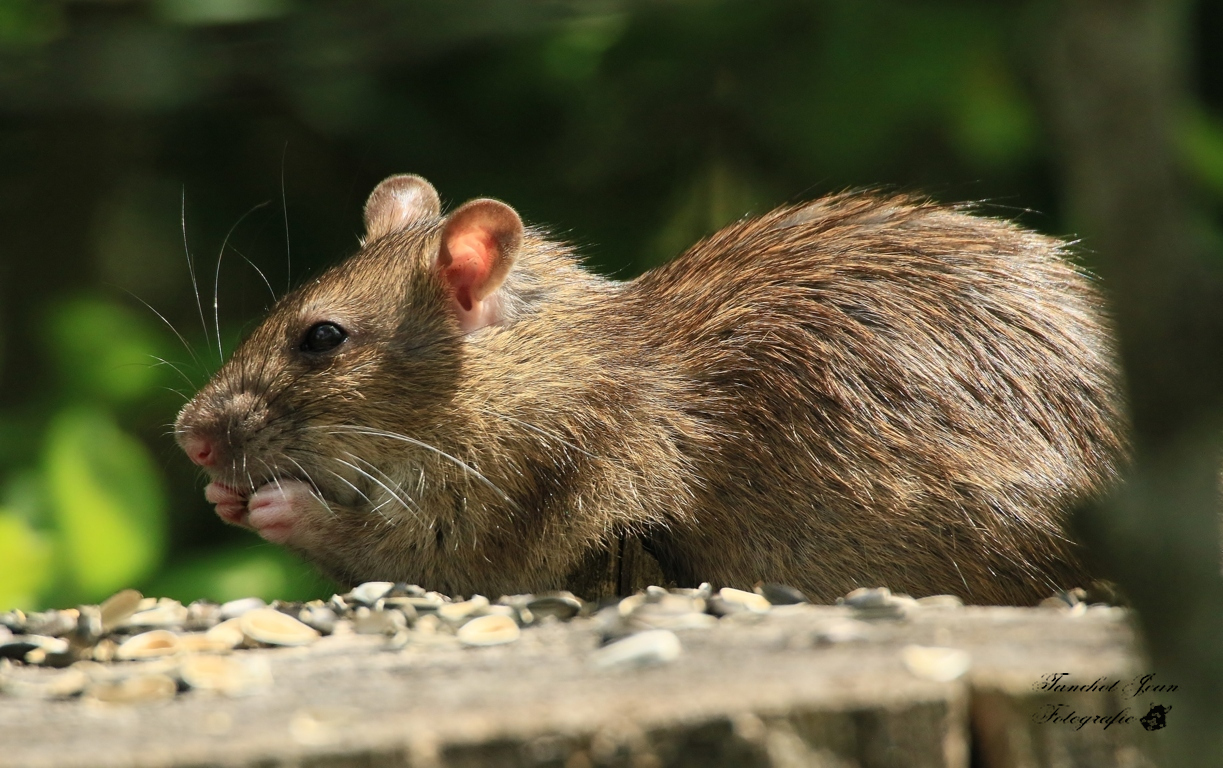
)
(200, 450)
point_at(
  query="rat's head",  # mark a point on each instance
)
(357, 362)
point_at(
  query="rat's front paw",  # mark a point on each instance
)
(277, 507)
(230, 503)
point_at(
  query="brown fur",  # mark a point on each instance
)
(860, 391)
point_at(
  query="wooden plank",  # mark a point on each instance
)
(748, 692)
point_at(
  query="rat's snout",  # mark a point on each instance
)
(213, 430)
(203, 445)
(200, 449)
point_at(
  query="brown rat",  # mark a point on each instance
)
(858, 391)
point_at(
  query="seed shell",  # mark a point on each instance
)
(202, 616)
(781, 594)
(200, 642)
(657, 646)
(370, 592)
(271, 627)
(319, 617)
(166, 613)
(14, 620)
(226, 674)
(228, 633)
(235, 608)
(148, 645)
(367, 622)
(933, 663)
(563, 606)
(459, 612)
(749, 600)
(134, 690)
(489, 630)
(118, 608)
(52, 623)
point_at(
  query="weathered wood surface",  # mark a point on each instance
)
(748, 692)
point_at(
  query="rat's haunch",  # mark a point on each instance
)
(857, 391)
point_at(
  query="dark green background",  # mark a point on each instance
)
(253, 129)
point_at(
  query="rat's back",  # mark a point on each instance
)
(898, 394)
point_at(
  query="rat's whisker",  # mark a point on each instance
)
(312, 489)
(376, 509)
(180, 393)
(169, 325)
(216, 281)
(546, 434)
(195, 283)
(384, 486)
(284, 206)
(344, 480)
(257, 270)
(162, 361)
(339, 429)
(398, 485)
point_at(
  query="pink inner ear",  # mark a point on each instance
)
(472, 254)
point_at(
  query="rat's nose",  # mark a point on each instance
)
(200, 450)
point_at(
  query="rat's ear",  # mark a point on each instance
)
(398, 202)
(479, 244)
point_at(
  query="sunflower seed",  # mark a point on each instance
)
(134, 690)
(118, 608)
(227, 633)
(370, 592)
(269, 626)
(226, 674)
(780, 594)
(657, 646)
(148, 645)
(166, 613)
(933, 663)
(489, 630)
(457, 613)
(749, 600)
(235, 608)
(562, 605)
(367, 622)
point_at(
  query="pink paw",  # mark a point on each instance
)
(231, 504)
(277, 507)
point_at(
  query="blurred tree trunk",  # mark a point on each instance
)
(1113, 79)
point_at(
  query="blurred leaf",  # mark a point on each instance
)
(25, 495)
(575, 54)
(25, 23)
(995, 125)
(1201, 144)
(21, 434)
(192, 12)
(105, 350)
(108, 502)
(261, 571)
(26, 564)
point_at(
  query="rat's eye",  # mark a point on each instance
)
(323, 337)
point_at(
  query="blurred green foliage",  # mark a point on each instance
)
(136, 133)
(106, 499)
(86, 515)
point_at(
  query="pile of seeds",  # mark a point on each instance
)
(133, 648)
